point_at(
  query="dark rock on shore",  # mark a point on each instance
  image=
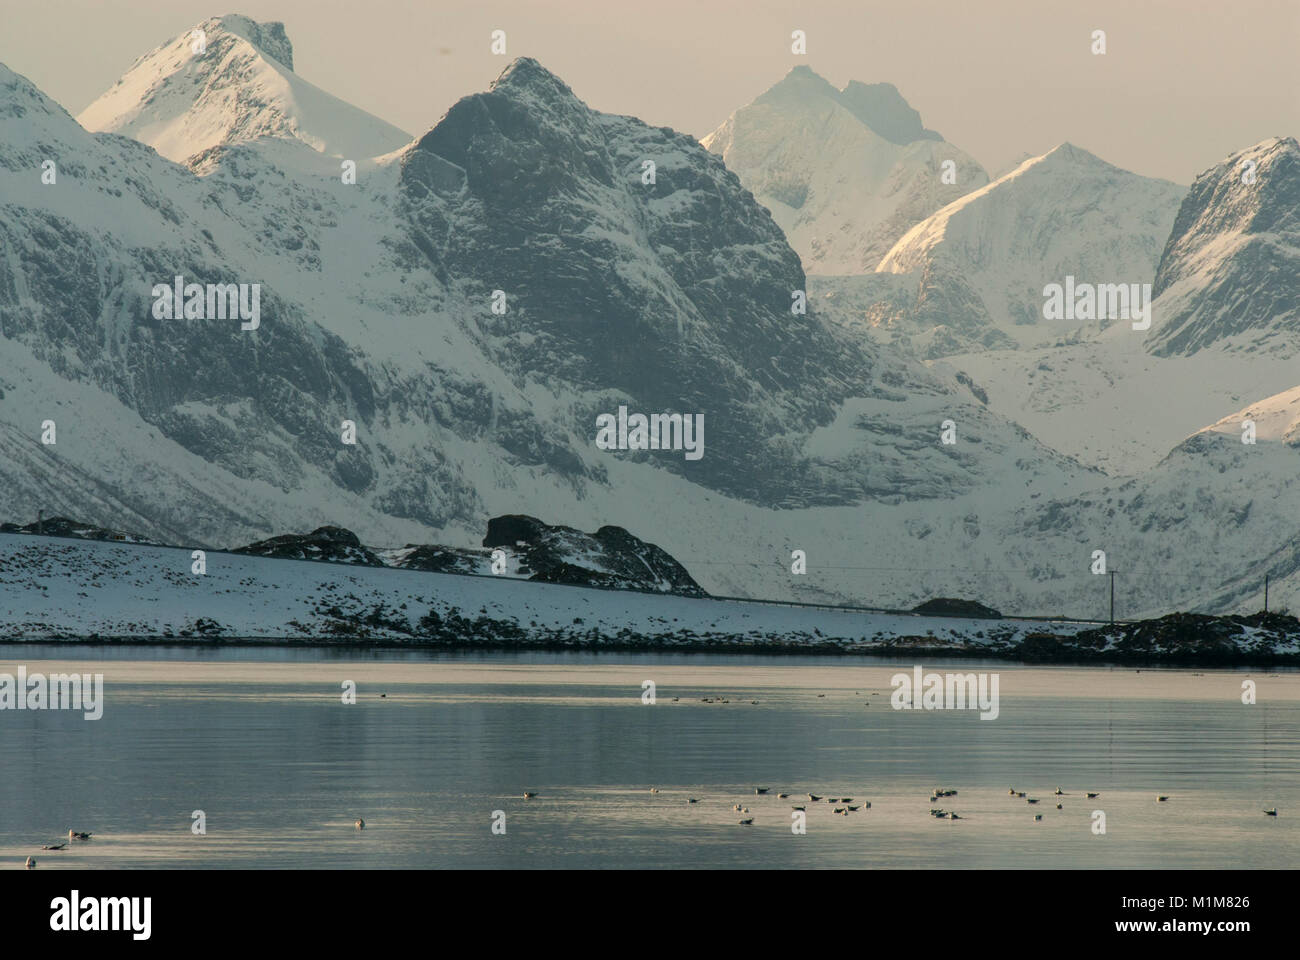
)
(328, 544)
(952, 607)
(435, 559)
(611, 557)
(67, 527)
(1188, 638)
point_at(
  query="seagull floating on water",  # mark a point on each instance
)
(1093, 795)
(74, 835)
(813, 797)
(1161, 798)
(745, 823)
(361, 824)
(1271, 812)
(55, 846)
(1038, 816)
(528, 795)
(31, 862)
(761, 790)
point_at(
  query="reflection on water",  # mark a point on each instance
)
(260, 740)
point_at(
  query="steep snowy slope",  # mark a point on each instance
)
(844, 172)
(238, 86)
(1230, 274)
(979, 265)
(1209, 522)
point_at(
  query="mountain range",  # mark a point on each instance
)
(484, 291)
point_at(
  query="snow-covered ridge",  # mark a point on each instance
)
(980, 264)
(240, 86)
(1275, 419)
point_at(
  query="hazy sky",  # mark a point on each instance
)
(1183, 82)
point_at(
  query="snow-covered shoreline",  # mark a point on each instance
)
(105, 592)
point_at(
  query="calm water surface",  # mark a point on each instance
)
(260, 740)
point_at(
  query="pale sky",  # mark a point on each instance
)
(1183, 83)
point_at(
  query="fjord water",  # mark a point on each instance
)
(261, 742)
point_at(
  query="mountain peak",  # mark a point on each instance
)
(801, 83)
(183, 99)
(1068, 151)
(881, 107)
(878, 106)
(525, 76)
(270, 38)
(845, 173)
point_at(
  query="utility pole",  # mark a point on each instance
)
(1112, 596)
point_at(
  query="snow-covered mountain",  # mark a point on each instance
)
(844, 172)
(230, 80)
(1230, 274)
(1223, 332)
(377, 307)
(979, 266)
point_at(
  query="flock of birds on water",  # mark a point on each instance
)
(839, 805)
(842, 806)
(846, 805)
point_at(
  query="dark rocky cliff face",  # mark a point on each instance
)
(1231, 268)
(675, 294)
